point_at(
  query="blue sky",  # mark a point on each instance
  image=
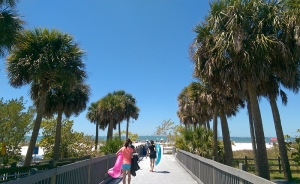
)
(140, 47)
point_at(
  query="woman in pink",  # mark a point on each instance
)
(126, 151)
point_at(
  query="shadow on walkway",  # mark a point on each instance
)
(164, 172)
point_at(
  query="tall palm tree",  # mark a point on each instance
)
(184, 107)
(45, 59)
(65, 101)
(130, 108)
(94, 116)
(110, 107)
(238, 42)
(10, 25)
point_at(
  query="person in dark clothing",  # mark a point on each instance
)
(152, 154)
(134, 164)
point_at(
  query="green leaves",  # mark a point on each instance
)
(10, 25)
(72, 144)
(47, 57)
(111, 146)
(15, 123)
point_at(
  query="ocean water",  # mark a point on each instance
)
(165, 138)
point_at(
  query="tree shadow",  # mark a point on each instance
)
(163, 172)
(115, 181)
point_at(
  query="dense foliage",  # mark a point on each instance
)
(72, 145)
(111, 146)
(15, 123)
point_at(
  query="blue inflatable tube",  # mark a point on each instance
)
(158, 154)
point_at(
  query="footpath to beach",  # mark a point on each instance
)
(167, 171)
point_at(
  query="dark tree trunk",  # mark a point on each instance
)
(127, 127)
(119, 127)
(36, 128)
(263, 165)
(204, 125)
(226, 139)
(97, 136)
(57, 136)
(215, 133)
(280, 139)
(208, 125)
(253, 139)
(110, 129)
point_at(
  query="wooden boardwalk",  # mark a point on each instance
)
(168, 171)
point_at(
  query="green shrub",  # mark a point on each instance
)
(111, 146)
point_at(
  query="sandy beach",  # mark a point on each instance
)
(235, 147)
(246, 146)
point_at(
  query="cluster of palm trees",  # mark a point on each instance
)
(51, 62)
(243, 51)
(111, 110)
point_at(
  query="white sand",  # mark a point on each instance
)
(24, 151)
(246, 146)
(235, 147)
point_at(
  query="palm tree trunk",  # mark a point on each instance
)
(119, 126)
(57, 136)
(36, 128)
(110, 128)
(215, 133)
(253, 139)
(263, 165)
(97, 136)
(208, 125)
(204, 125)
(127, 127)
(280, 139)
(226, 139)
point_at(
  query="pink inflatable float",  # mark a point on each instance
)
(117, 169)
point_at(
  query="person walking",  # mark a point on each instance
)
(126, 151)
(152, 154)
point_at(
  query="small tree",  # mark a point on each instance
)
(73, 144)
(166, 128)
(15, 122)
(131, 135)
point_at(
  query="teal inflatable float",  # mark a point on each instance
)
(158, 154)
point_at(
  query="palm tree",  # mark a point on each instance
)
(184, 107)
(130, 109)
(94, 116)
(10, 25)
(110, 107)
(68, 102)
(239, 40)
(45, 59)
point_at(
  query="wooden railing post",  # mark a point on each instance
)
(89, 173)
(246, 163)
(242, 167)
(53, 164)
(279, 164)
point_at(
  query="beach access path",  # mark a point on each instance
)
(167, 171)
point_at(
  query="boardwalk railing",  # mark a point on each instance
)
(207, 171)
(274, 163)
(90, 171)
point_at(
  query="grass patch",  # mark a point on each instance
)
(273, 154)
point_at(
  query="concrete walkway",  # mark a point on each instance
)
(167, 171)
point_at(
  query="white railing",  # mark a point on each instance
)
(206, 171)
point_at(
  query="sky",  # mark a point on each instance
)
(142, 47)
